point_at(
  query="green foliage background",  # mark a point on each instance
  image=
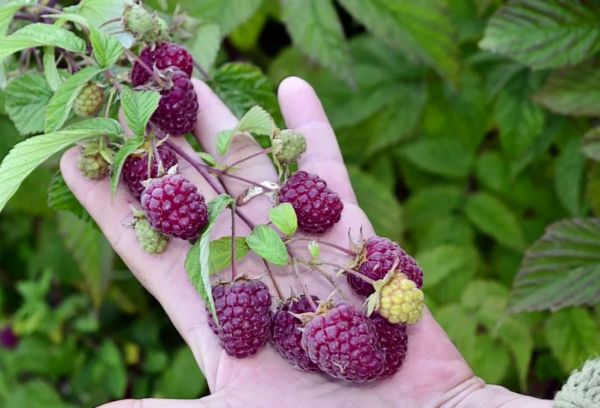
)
(462, 123)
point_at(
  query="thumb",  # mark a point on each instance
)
(213, 400)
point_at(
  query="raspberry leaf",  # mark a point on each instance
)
(204, 45)
(197, 262)
(37, 35)
(26, 98)
(224, 141)
(62, 101)
(7, 12)
(60, 198)
(220, 253)
(267, 244)
(50, 71)
(138, 106)
(14, 168)
(284, 218)
(257, 121)
(227, 13)
(130, 146)
(107, 49)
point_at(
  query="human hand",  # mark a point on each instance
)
(434, 373)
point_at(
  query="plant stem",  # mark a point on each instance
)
(204, 73)
(23, 16)
(233, 257)
(38, 60)
(235, 163)
(309, 299)
(350, 271)
(329, 244)
(326, 275)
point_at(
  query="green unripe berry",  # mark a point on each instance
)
(137, 20)
(89, 101)
(288, 145)
(150, 240)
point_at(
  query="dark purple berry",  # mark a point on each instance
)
(135, 169)
(178, 107)
(378, 257)
(8, 338)
(316, 206)
(286, 333)
(393, 342)
(244, 311)
(174, 207)
(163, 56)
(344, 344)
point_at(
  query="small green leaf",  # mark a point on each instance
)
(14, 168)
(26, 99)
(266, 243)
(38, 35)
(138, 107)
(52, 76)
(314, 249)
(197, 262)
(224, 141)
(573, 336)
(62, 101)
(516, 336)
(207, 158)
(107, 49)
(257, 121)
(60, 198)
(443, 156)
(130, 146)
(284, 218)
(220, 253)
(492, 217)
(490, 359)
(446, 260)
(182, 379)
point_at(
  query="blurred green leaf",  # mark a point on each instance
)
(446, 260)
(568, 176)
(446, 157)
(39, 34)
(463, 334)
(573, 336)
(204, 45)
(544, 33)
(35, 393)
(182, 379)
(516, 336)
(229, 14)
(490, 359)
(60, 198)
(432, 203)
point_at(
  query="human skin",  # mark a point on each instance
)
(434, 373)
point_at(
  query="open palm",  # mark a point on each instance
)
(433, 374)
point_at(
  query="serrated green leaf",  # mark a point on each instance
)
(315, 28)
(138, 107)
(568, 176)
(63, 99)
(267, 244)
(197, 261)
(38, 35)
(445, 260)
(109, 126)
(7, 12)
(14, 168)
(130, 146)
(378, 202)
(284, 217)
(544, 33)
(256, 121)
(242, 86)
(107, 49)
(26, 99)
(421, 29)
(492, 217)
(106, 15)
(227, 13)
(224, 139)
(60, 198)
(91, 251)
(220, 253)
(50, 71)
(573, 336)
(443, 156)
(561, 269)
(572, 91)
(204, 46)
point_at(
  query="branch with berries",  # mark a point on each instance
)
(90, 74)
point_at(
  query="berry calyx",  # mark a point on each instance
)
(344, 344)
(162, 56)
(178, 107)
(393, 341)
(243, 308)
(89, 101)
(93, 162)
(136, 169)
(174, 207)
(286, 333)
(149, 239)
(397, 299)
(377, 256)
(288, 145)
(317, 207)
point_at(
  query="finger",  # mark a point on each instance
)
(303, 112)
(213, 117)
(213, 400)
(162, 275)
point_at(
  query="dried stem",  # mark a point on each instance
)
(329, 244)
(260, 153)
(350, 271)
(309, 298)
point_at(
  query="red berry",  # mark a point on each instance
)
(135, 169)
(379, 256)
(316, 206)
(392, 341)
(178, 106)
(174, 207)
(164, 55)
(244, 311)
(344, 344)
(286, 334)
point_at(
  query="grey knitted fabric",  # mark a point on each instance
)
(582, 389)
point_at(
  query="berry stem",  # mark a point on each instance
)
(350, 271)
(310, 300)
(260, 153)
(348, 252)
(134, 58)
(326, 275)
(204, 72)
(233, 257)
